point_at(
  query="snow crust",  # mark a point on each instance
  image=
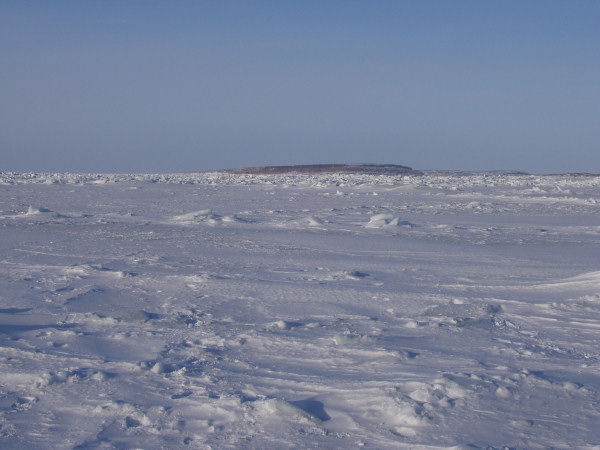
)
(213, 310)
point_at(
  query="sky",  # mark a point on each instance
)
(172, 86)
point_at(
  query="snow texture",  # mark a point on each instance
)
(220, 310)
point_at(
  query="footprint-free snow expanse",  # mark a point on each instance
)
(217, 310)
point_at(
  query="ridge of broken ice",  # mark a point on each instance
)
(431, 179)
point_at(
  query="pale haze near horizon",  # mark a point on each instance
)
(146, 86)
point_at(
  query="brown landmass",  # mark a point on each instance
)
(374, 169)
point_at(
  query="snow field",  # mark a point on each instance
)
(214, 311)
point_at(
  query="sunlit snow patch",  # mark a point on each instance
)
(463, 314)
(584, 280)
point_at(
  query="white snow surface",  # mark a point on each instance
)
(211, 310)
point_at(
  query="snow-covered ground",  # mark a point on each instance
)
(334, 311)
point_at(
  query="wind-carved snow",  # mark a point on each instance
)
(276, 311)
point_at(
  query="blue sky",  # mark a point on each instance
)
(163, 86)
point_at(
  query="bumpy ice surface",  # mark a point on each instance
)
(333, 311)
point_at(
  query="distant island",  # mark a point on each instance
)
(371, 169)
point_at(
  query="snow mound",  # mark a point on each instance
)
(283, 325)
(36, 210)
(314, 221)
(342, 276)
(382, 220)
(386, 220)
(205, 216)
